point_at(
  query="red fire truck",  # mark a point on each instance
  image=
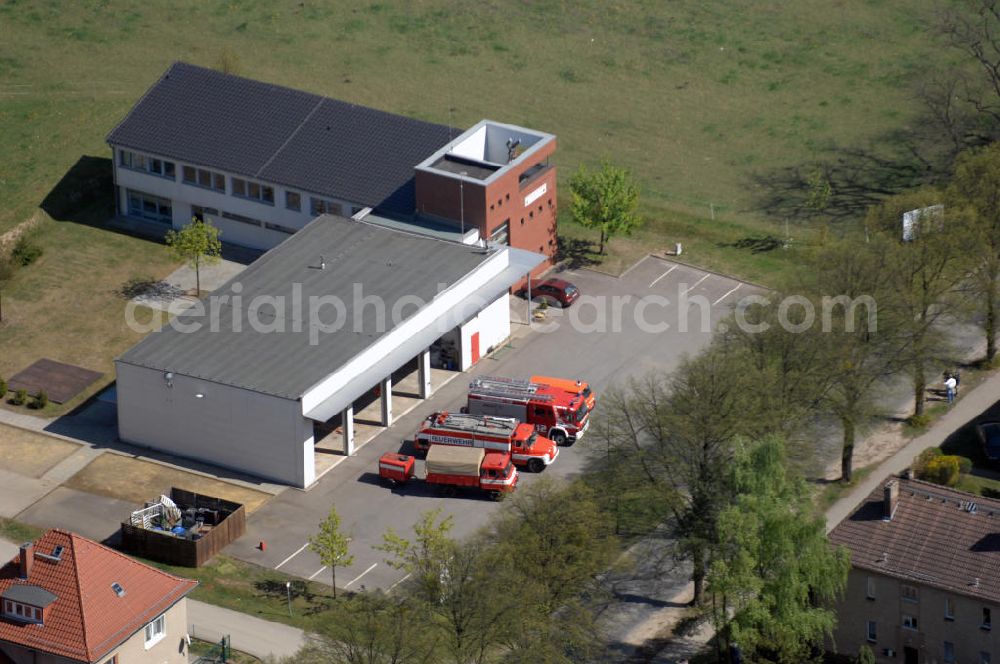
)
(452, 466)
(580, 387)
(503, 434)
(561, 416)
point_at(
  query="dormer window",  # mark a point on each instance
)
(26, 603)
(22, 612)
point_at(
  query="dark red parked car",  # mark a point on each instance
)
(557, 292)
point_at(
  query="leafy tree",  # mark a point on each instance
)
(865, 655)
(196, 244)
(975, 192)
(857, 341)
(426, 558)
(464, 588)
(331, 545)
(370, 628)
(774, 573)
(924, 275)
(605, 199)
(678, 434)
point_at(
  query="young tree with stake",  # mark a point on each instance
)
(331, 545)
(196, 244)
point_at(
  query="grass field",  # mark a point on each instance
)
(705, 103)
(698, 99)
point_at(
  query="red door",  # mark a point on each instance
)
(475, 347)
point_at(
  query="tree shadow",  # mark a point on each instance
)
(854, 179)
(576, 253)
(757, 245)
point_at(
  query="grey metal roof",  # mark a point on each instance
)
(29, 594)
(359, 258)
(520, 263)
(293, 138)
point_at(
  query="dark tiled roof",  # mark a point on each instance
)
(277, 134)
(88, 619)
(933, 538)
(28, 594)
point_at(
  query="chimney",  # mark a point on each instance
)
(890, 499)
(27, 558)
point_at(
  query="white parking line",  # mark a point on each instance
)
(696, 284)
(397, 583)
(292, 556)
(358, 577)
(317, 572)
(662, 275)
(727, 294)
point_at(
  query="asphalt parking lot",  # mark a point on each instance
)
(646, 320)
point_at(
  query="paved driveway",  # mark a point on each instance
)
(667, 298)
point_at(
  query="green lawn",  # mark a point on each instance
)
(703, 102)
(698, 99)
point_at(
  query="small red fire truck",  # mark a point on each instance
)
(559, 415)
(452, 466)
(502, 434)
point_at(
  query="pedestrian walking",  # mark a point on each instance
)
(950, 385)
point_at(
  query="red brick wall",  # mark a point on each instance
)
(532, 227)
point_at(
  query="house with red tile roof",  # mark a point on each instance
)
(65, 598)
(924, 584)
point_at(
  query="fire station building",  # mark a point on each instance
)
(276, 358)
(261, 161)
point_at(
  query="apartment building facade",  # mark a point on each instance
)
(924, 587)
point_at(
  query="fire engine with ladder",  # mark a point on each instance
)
(559, 415)
(501, 434)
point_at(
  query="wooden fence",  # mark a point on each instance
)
(166, 548)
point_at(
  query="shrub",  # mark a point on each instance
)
(25, 251)
(919, 421)
(41, 400)
(944, 469)
(920, 463)
(20, 397)
(3, 388)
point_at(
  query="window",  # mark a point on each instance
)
(293, 200)
(279, 228)
(201, 213)
(151, 208)
(22, 612)
(870, 588)
(240, 218)
(909, 593)
(949, 653)
(501, 234)
(113, 660)
(872, 631)
(949, 608)
(987, 619)
(140, 162)
(200, 177)
(909, 622)
(155, 631)
(320, 206)
(255, 191)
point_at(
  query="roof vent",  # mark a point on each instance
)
(117, 587)
(975, 582)
(885, 557)
(322, 262)
(53, 557)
